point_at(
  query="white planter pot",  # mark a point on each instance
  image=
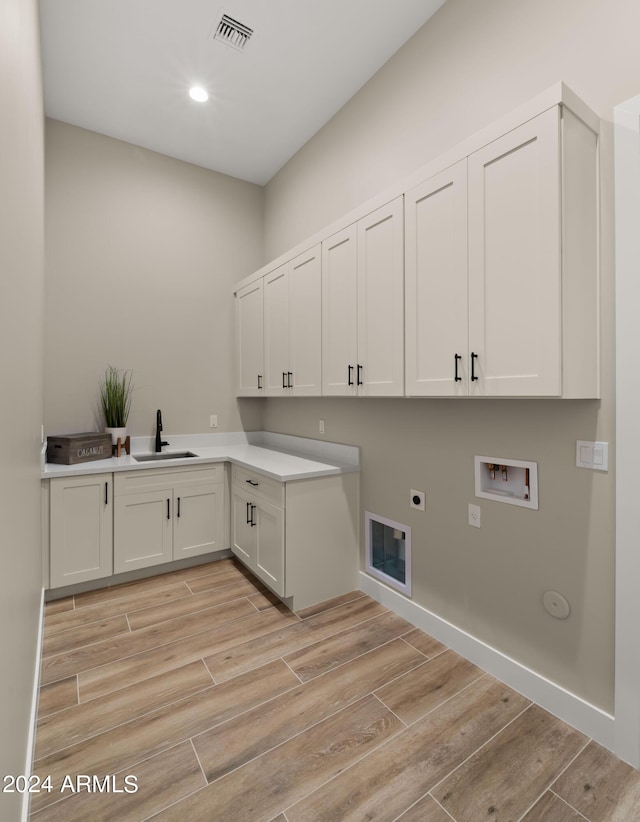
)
(115, 433)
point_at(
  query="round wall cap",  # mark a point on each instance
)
(556, 604)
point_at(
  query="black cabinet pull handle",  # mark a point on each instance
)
(259, 381)
(106, 493)
(289, 379)
(359, 374)
(349, 377)
(253, 482)
(178, 507)
(474, 357)
(253, 508)
(248, 513)
(168, 509)
(456, 358)
(284, 379)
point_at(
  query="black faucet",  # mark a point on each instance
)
(159, 440)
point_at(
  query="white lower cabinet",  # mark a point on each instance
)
(80, 529)
(258, 537)
(161, 516)
(300, 538)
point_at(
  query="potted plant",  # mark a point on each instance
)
(115, 401)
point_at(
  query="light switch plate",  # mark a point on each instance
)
(593, 455)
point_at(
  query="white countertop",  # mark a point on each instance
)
(278, 456)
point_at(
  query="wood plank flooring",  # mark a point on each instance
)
(196, 695)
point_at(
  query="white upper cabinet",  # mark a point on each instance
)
(436, 285)
(362, 306)
(501, 267)
(480, 279)
(339, 312)
(292, 328)
(305, 326)
(276, 331)
(249, 340)
(515, 267)
(380, 367)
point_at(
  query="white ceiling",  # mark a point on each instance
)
(123, 68)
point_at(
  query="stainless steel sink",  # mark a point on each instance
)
(168, 455)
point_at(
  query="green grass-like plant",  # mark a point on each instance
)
(115, 397)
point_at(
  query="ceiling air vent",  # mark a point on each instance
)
(232, 33)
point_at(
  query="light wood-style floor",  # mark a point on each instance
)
(225, 706)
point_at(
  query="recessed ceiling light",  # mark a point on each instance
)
(198, 94)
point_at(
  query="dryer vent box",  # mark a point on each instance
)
(388, 551)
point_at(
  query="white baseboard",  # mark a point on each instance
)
(33, 719)
(572, 709)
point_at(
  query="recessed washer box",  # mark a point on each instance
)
(507, 480)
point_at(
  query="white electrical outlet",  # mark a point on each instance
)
(213, 421)
(417, 500)
(321, 426)
(474, 515)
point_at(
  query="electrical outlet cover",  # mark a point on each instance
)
(417, 500)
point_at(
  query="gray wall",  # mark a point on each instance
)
(142, 254)
(467, 66)
(21, 269)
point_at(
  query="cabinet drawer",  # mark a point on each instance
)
(133, 482)
(266, 488)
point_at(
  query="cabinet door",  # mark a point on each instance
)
(198, 524)
(305, 327)
(436, 285)
(249, 340)
(276, 332)
(81, 529)
(339, 313)
(270, 546)
(244, 535)
(380, 326)
(515, 261)
(143, 530)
